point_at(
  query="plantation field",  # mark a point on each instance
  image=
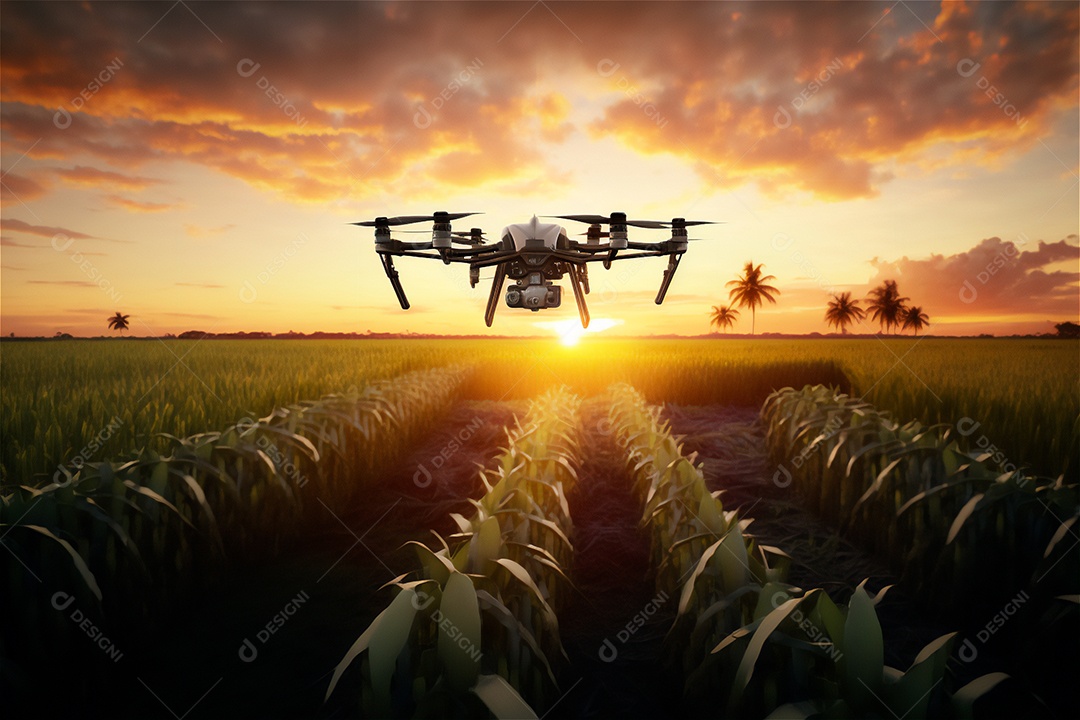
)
(1018, 399)
(517, 529)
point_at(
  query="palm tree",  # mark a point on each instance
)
(750, 289)
(886, 306)
(723, 317)
(119, 322)
(916, 319)
(843, 311)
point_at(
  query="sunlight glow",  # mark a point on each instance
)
(570, 332)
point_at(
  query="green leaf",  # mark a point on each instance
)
(962, 516)
(387, 641)
(963, 700)
(1061, 531)
(76, 558)
(438, 567)
(459, 632)
(912, 693)
(864, 653)
(502, 699)
(749, 659)
(486, 545)
(358, 647)
(794, 711)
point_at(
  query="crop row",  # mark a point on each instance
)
(478, 629)
(767, 646)
(121, 537)
(960, 529)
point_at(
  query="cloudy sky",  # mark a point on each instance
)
(196, 164)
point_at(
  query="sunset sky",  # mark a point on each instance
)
(197, 164)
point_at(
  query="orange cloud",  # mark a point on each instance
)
(994, 278)
(141, 206)
(197, 231)
(94, 177)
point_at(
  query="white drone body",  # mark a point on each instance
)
(533, 230)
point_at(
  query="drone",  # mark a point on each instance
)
(532, 255)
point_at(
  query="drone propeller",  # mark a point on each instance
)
(613, 220)
(410, 219)
(476, 236)
(620, 219)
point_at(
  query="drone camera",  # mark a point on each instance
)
(534, 293)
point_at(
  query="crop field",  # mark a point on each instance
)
(775, 528)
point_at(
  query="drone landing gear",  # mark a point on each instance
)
(579, 280)
(496, 291)
(388, 266)
(673, 265)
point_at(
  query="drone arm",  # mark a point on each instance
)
(673, 265)
(493, 298)
(395, 281)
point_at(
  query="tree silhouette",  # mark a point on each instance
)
(916, 319)
(885, 305)
(1067, 329)
(750, 289)
(723, 317)
(119, 322)
(843, 311)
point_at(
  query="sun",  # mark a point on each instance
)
(570, 332)
(571, 336)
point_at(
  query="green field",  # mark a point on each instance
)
(61, 398)
(515, 528)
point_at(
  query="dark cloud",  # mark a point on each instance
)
(327, 101)
(8, 242)
(67, 283)
(20, 189)
(42, 230)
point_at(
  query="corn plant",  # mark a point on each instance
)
(699, 550)
(805, 656)
(124, 536)
(959, 529)
(748, 640)
(478, 631)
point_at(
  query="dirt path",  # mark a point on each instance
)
(613, 658)
(730, 441)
